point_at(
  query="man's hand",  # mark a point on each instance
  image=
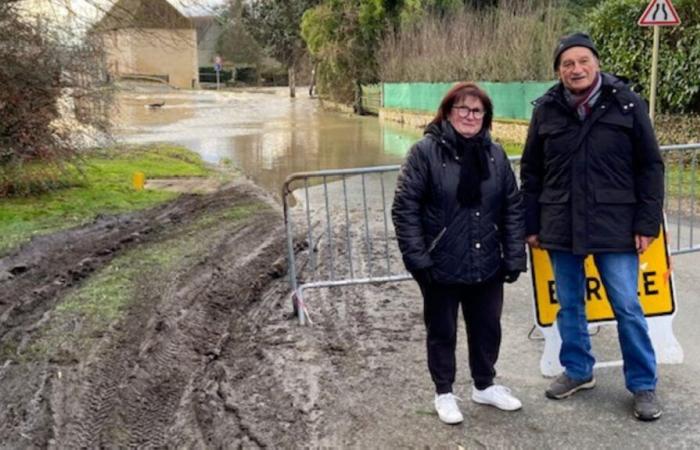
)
(533, 240)
(642, 242)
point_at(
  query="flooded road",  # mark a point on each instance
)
(262, 132)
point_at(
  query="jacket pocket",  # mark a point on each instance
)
(554, 196)
(615, 196)
(552, 128)
(618, 120)
(437, 239)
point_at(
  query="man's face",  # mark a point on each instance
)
(578, 68)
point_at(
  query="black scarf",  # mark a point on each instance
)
(473, 158)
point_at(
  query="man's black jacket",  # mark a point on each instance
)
(461, 245)
(590, 186)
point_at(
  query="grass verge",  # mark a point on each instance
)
(88, 313)
(103, 185)
(511, 148)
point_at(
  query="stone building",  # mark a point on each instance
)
(149, 39)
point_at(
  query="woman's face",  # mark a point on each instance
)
(467, 116)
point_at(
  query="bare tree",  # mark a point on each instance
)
(55, 96)
(52, 94)
(276, 24)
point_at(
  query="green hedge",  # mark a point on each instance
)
(625, 49)
(208, 75)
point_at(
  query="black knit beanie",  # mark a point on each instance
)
(573, 40)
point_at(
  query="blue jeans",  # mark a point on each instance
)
(619, 273)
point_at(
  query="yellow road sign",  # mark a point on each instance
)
(655, 285)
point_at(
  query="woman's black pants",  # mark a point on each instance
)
(482, 305)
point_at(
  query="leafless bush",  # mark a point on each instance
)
(508, 43)
(677, 129)
(54, 93)
(52, 97)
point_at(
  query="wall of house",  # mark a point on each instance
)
(155, 53)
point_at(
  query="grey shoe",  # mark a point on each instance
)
(646, 406)
(564, 386)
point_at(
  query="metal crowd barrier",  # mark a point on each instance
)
(347, 236)
(682, 197)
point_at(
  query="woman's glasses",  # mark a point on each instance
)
(464, 111)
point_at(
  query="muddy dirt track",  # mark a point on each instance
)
(151, 376)
(172, 328)
(204, 352)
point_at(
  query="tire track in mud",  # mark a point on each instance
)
(176, 342)
(366, 331)
(138, 380)
(278, 384)
(33, 278)
(210, 356)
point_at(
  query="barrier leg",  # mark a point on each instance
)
(298, 302)
(667, 348)
(549, 362)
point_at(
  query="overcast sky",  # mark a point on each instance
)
(86, 8)
(196, 7)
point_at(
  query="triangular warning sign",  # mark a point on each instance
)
(659, 12)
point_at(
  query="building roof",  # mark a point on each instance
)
(143, 14)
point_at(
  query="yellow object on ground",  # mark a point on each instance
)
(138, 180)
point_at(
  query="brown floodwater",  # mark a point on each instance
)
(262, 132)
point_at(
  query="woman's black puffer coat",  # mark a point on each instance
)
(461, 244)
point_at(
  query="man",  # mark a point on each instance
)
(592, 178)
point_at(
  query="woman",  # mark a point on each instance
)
(458, 220)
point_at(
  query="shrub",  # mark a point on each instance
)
(247, 75)
(677, 129)
(343, 38)
(208, 75)
(51, 98)
(626, 49)
(29, 88)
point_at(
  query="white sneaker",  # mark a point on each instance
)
(498, 396)
(447, 409)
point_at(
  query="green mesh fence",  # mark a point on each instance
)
(510, 100)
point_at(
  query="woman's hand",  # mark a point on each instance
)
(424, 277)
(511, 276)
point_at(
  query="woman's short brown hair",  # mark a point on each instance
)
(457, 93)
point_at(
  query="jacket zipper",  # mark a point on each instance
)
(436, 240)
